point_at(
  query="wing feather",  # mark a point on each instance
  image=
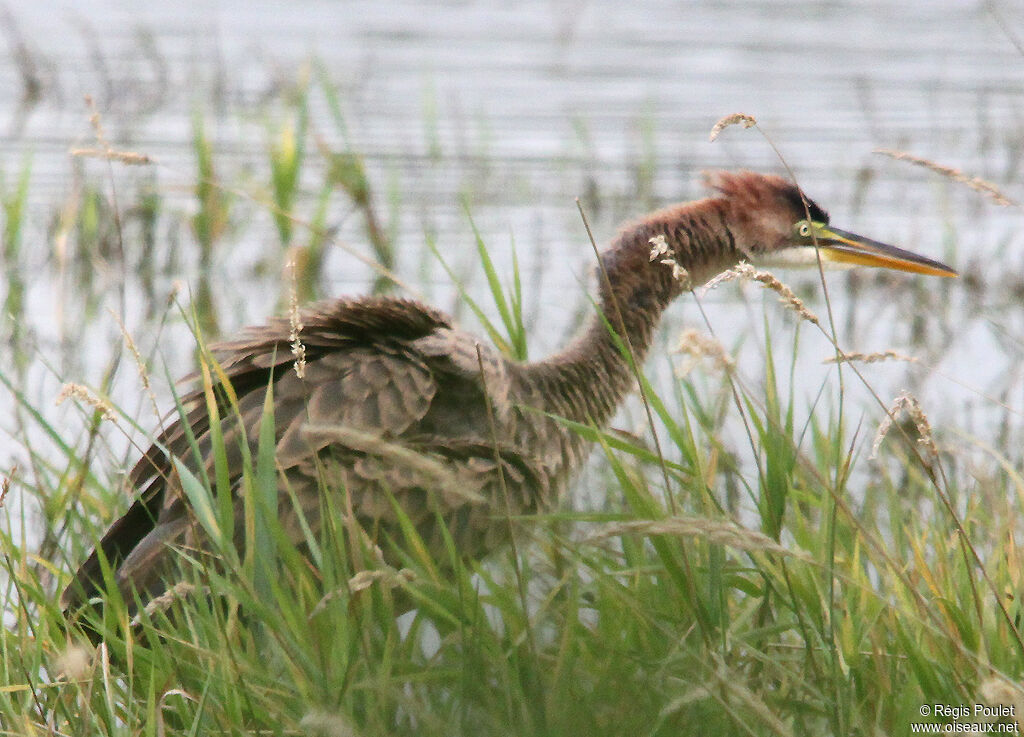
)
(366, 369)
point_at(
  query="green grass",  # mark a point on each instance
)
(833, 611)
(762, 575)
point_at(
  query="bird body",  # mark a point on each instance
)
(397, 404)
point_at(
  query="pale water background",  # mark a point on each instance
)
(521, 107)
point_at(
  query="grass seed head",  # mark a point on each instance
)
(5, 486)
(976, 183)
(86, 396)
(747, 121)
(908, 404)
(877, 357)
(295, 321)
(104, 149)
(787, 296)
(131, 158)
(720, 532)
(659, 248)
(697, 346)
(387, 577)
(180, 590)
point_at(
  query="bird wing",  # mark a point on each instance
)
(457, 481)
(384, 369)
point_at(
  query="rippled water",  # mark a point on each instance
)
(522, 107)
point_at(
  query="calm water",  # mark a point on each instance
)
(525, 107)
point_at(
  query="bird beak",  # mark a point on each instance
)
(847, 248)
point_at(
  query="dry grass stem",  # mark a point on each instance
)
(105, 150)
(85, 395)
(909, 404)
(787, 296)
(975, 183)
(696, 346)
(134, 349)
(140, 363)
(717, 531)
(96, 121)
(131, 158)
(747, 121)
(295, 321)
(161, 727)
(659, 247)
(876, 357)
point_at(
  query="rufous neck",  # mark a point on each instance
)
(592, 375)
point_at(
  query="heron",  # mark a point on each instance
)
(397, 406)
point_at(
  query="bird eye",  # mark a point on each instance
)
(804, 229)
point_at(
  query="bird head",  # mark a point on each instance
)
(775, 225)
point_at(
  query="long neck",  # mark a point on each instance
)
(589, 379)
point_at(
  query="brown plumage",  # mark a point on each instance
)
(388, 376)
